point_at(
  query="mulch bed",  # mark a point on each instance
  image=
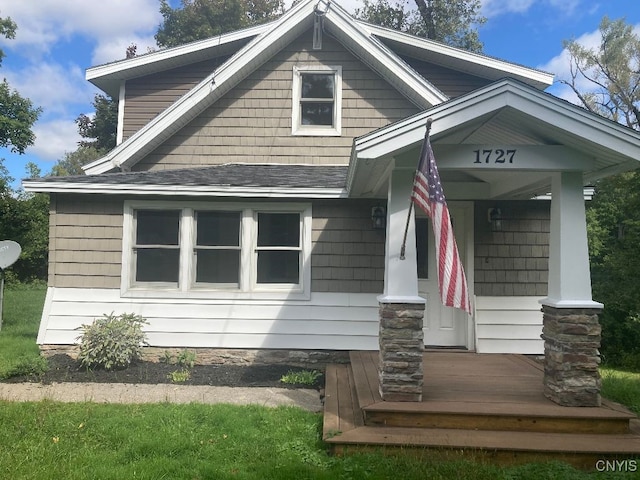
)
(63, 368)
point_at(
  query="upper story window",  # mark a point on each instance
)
(317, 101)
(218, 251)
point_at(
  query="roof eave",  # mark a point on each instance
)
(108, 77)
(463, 60)
(35, 186)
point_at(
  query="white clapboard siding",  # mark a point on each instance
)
(509, 325)
(326, 321)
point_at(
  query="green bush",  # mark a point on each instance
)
(112, 342)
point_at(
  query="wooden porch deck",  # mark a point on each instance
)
(486, 405)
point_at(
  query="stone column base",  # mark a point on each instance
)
(401, 339)
(571, 342)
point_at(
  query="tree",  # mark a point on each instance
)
(102, 128)
(611, 71)
(17, 114)
(199, 19)
(72, 162)
(606, 80)
(453, 22)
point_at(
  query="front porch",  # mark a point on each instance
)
(487, 406)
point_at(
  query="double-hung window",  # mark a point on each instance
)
(216, 250)
(317, 100)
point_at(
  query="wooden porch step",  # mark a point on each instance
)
(497, 416)
(480, 392)
(581, 450)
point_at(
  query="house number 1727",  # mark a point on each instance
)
(495, 156)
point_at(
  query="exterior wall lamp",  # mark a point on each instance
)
(494, 216)
(378, 218)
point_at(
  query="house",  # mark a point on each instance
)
(241, 209)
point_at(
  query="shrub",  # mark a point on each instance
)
(112, 342)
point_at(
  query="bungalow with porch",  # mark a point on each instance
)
(256, 201)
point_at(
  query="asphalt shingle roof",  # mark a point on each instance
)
(233, 175)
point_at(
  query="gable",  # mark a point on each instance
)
(253, 122)
(147, 96)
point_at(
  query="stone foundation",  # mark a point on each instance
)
(401, 339)
(211, 356)
(571, 342)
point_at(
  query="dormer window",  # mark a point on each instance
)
(317, 101)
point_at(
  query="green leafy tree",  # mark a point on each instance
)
(17, 114)
(101, 129)
(24, 218)
(453, 22)
(611, 71)
(199, 19)
(72, 162)
(606, 80)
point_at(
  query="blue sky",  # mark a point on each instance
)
(58, 39)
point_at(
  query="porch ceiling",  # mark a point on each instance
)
(507, 114)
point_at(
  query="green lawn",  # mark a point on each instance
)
(19, 353)
(166, 441)
(49, 440)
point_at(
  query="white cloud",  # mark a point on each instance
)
(52, 86)
(54, 139)
(42, 23)
(494, 8)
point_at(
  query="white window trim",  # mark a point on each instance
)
(314, 130)
(248, 288)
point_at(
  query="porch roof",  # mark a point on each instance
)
(507, 114)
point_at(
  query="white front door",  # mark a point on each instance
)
(443, 326)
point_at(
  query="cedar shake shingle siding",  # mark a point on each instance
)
(451, 82)
(515, 260)
(85, 247)
(147, 96)
(252, 123)
(347, 253)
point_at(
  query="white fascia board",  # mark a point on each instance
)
(202, 95)
(122, 67)
(384, 61)
(183, 190)
(539, 77)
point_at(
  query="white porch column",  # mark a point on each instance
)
(569, 274)
(400, 276)
(400, 370)
(571, 331)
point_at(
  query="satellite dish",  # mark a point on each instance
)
(9, 253)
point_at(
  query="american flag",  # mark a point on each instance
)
(428, 195)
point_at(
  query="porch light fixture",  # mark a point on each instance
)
(495, 219)
(378, 218)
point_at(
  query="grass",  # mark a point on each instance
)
(49, 440)
(622, 387)
(302, 377)
(19, 353)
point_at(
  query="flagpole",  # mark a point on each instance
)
(403, 248)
